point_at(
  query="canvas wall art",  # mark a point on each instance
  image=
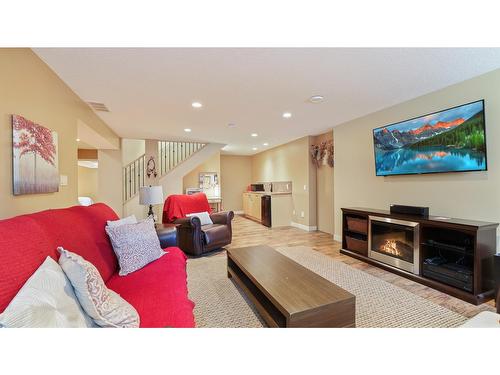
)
(452, 140)
(35, 162)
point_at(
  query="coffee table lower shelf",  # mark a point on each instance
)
(272, 316)
(337, 314)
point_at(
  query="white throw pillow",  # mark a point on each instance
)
(203, 216)
(135, 245)
(126, 220)
(103, 305)
(46, 300)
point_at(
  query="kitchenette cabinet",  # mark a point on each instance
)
(281, 207)
(252, 205)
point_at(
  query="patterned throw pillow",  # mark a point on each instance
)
(105, 307)
(126, 220)
(46, 300)
(135, 245)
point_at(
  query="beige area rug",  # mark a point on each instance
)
(219, 303)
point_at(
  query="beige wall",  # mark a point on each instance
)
(87, 182)
(30, 89)
(109, 179)
(132, 149)
(324, 191)
(236, 174)
(472, 195)
(212, 164)
(291, 162)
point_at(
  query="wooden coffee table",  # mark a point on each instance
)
(287, 294)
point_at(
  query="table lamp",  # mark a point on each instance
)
(150, 195)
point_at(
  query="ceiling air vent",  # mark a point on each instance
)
(99, 107)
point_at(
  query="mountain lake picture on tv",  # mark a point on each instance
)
(452, 140)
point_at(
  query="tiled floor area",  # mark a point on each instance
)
(248, 233)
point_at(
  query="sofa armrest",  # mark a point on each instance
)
(167, 234)
(222, 217)
(189, 222)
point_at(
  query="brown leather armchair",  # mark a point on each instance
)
(196, 239)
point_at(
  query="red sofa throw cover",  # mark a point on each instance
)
(178, 206)
(158, 291)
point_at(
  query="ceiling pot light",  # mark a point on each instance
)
(78, 139)
(316, 98)
(187, 130)
(287, 115)
(265, 144)
(196, 105)
(254, 148)
(231, 125)
(254, 134)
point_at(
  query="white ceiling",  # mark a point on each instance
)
(149, 91)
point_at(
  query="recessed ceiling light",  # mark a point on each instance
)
(231, 125)
(78, 139)
(316, 98)
(187, 130)
(287, 115)
(265, 144)
(196, 105)
(254, 148)
(254, 134)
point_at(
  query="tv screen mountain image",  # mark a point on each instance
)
(452, 140)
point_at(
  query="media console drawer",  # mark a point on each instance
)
(358, 245)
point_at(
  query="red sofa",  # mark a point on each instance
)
(158, 291)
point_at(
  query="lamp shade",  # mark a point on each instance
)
(150, 195)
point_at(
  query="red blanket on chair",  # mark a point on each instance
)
(178, 206)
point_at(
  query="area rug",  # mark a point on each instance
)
(220, 303)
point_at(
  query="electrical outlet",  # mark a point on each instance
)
(302, 214)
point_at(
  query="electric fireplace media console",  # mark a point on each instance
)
(454, 256)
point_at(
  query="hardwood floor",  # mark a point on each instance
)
(248, 233)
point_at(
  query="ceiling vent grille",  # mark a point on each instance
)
(99, 107)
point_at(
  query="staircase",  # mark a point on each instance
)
(133, 177)
(170, 155)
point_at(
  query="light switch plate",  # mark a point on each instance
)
(63, 180)
(302, 214)
(305, 187)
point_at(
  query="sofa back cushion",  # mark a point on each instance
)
(178, 206)
(25, 242)
(23, 248)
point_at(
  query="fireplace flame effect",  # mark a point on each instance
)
(391, 247)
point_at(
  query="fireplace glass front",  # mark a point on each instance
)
(394, 242)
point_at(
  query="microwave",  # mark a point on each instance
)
(257, 187)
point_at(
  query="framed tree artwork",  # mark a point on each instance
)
(35, 163)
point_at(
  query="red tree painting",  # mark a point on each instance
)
(35, 157)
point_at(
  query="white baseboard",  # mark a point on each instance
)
(307, 228)
(239, 212)
(337, 237)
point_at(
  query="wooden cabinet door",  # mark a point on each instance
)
(246, 207)
(250, 205)
(256, 206)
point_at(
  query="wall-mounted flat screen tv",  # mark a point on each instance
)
(452, 140)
